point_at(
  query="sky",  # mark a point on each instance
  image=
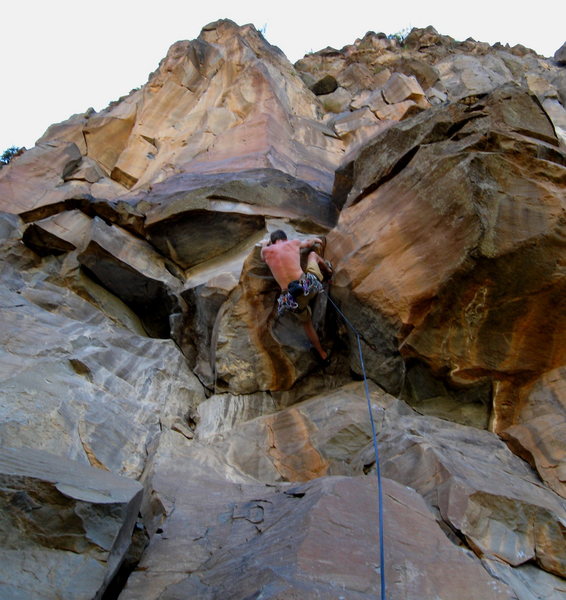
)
(61, 57)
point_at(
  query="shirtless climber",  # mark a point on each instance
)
(283, 257)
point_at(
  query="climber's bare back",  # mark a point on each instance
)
(284, 260)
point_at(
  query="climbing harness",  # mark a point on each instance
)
(305, 285)
(375, 448)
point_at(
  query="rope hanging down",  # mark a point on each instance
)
(375, 448)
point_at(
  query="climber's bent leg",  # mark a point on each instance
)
(313, 338)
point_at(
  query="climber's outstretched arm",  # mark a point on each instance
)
(311, 242)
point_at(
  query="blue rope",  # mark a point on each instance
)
(375, 448)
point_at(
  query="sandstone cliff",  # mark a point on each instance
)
(139, 335)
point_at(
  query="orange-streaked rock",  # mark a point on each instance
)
(539, 429)
(458, 246)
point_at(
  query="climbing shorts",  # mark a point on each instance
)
(297, 296)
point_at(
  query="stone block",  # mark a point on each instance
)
(313, 540)
(397, 112)
(400, 87)
(336, 102)
(60, 233)
(479, 487)
(65, 527)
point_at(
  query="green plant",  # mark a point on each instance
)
(400, 36)
(9, 154)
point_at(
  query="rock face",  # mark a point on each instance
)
(139, 336)
(280, 541)
(474, 203)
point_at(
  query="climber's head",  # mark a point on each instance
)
(277, 236)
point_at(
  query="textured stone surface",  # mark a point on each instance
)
(316, 437)
(399, 88)
(193, 219)
(560, 54)
(270, 353)
(487, 209)
(470, 75)
(132, 270)
(446, 69)
(37, 177)
(59, 515)
(528, 582)
(78, 376)
(480, 489)
(206, 290)
(63, 232)
(286, 536)
(540, 428)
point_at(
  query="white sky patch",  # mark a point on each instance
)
(62, 57)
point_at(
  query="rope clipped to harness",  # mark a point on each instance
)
(375, 448)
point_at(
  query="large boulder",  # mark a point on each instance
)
(443, 214)
(478, 486)
(318, 539)
(66, 527)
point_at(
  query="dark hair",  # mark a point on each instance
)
(277, 235)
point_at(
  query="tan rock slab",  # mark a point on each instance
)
(540, 86)
(107, 135)
(527, 581)
(195, 218)
(63, 232)
(464, 75)
(88, 171)
(398, 111)
(399, 88)
(35, 178)
(336, 102)
(70, 130)
(75, 520)
(322, 435)
(358, 76)
(479, 487)
(350, 122)
(63, 524)
(132, 270)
